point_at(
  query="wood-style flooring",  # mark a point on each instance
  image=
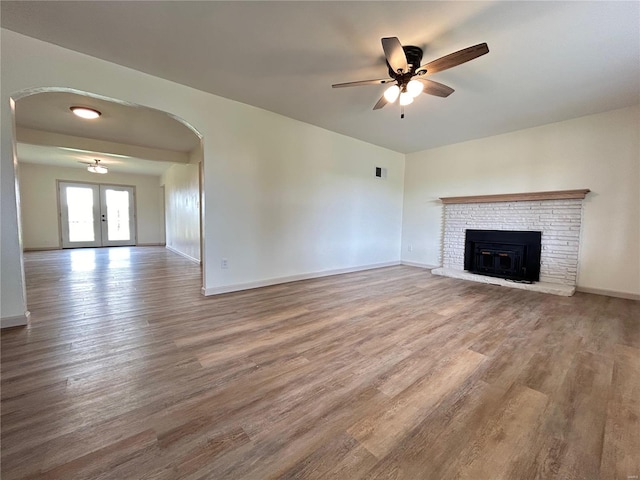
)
(127, 372)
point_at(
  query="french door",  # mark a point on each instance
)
(96, 215)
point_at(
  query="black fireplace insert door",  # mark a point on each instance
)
(514, 255)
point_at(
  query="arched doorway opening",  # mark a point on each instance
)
(132, 141)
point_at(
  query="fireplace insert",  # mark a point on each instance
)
(514, 255)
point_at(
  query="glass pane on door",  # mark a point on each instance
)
(117, 215)
(80, 214)
(79, 206)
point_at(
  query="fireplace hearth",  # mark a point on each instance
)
(513, 255)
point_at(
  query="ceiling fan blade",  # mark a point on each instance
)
(435, 88)
(454, 59)
(381, 103)
(364, 82)
(395, 54)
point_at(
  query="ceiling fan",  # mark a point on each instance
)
(407, 76)
(95, 167)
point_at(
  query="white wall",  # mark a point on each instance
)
(40, 226)
(282, 197)
(600, 152)
(302, 200)
(13, 310)
(182, 209)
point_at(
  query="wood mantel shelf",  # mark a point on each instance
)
(519, 197)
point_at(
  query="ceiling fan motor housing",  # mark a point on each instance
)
(414, 59)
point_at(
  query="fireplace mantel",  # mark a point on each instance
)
(519, 197)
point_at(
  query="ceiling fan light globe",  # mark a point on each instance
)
(414, 88)
(391, 93)
(406, 98)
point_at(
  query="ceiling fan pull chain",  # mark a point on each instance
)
(401, 111)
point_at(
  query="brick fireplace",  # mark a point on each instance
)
(557, 215)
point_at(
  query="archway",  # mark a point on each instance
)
(141, 144)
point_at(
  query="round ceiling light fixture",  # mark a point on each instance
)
(86, 112)
(96, 167)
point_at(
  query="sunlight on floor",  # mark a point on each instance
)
(83, 260)
(119, 258)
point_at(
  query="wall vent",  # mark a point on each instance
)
(381, 172)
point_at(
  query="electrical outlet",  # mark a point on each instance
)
(409, 248)
(224, 263)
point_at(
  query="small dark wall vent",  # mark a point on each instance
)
(381, 172)
(513, 255)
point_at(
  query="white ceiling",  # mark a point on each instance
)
(548, 61)
(116, 136)
(122, 123)
(60, 157)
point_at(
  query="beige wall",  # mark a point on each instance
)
(182, 209)
(40, 226)
(600, 152)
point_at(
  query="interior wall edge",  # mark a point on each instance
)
(182, 254)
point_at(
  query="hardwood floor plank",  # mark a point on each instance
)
(546, 369)
(577, 415)
(621, 449)
(438, 440)
(354, 463)
(503, 447)
(315, 466)
(382, 430)
(101, 461)
(205, 452)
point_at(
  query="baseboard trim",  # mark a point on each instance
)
(46, 249)
(420, 265)
(17, 321)
(292, 278)
(178, 252)
(608, 293)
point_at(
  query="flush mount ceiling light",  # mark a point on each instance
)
(96, 167)
(86, 112)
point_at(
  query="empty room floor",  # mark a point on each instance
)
(127, 372)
